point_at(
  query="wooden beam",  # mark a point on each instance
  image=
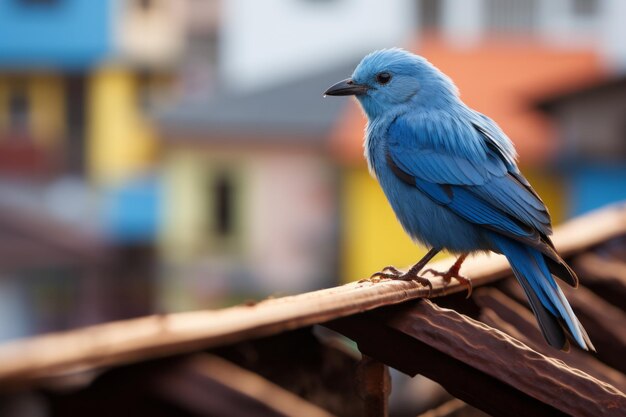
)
(165, 335)
(210, 385)
(478, 364)
(605, 276)
(374, 385)
(313, 364)
(453, 408)
(186, 386)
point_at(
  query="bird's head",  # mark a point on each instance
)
(388, 79)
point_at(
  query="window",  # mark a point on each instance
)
(319, 1)
(200, 68)
(430, 14)
(512, 16)
(145, 90)
(75, 98)
(223, 196)
(585, 8)
(19, 108)
(145, 5)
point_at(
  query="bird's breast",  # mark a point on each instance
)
(375, 145)
(422, 218)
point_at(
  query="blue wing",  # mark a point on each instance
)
(461, 165)
(472, 178)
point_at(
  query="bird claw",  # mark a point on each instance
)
(448, 275)
(397, 275)
(392, 269)
(392, 274)
(377, 277)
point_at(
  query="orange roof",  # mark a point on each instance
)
(500, 79)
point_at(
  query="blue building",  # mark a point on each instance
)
(54, 33)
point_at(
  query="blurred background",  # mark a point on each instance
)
(169, 155)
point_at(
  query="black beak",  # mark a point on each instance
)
(346, 87)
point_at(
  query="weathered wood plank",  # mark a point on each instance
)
(517, 321)
(157, 336)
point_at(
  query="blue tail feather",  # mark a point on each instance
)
(548, 302)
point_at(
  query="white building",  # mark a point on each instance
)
(271, 41)
(268, 42)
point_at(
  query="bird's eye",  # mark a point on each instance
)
(383, 78)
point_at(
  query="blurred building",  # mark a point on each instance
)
(77, 80)
(250, 183)
(271, 42)
(251, 191)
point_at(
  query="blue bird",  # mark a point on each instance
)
(450, 175)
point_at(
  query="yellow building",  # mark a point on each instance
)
(81, 107)
(81, 123)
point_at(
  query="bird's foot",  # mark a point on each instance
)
(393, 273)
(453, 273)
